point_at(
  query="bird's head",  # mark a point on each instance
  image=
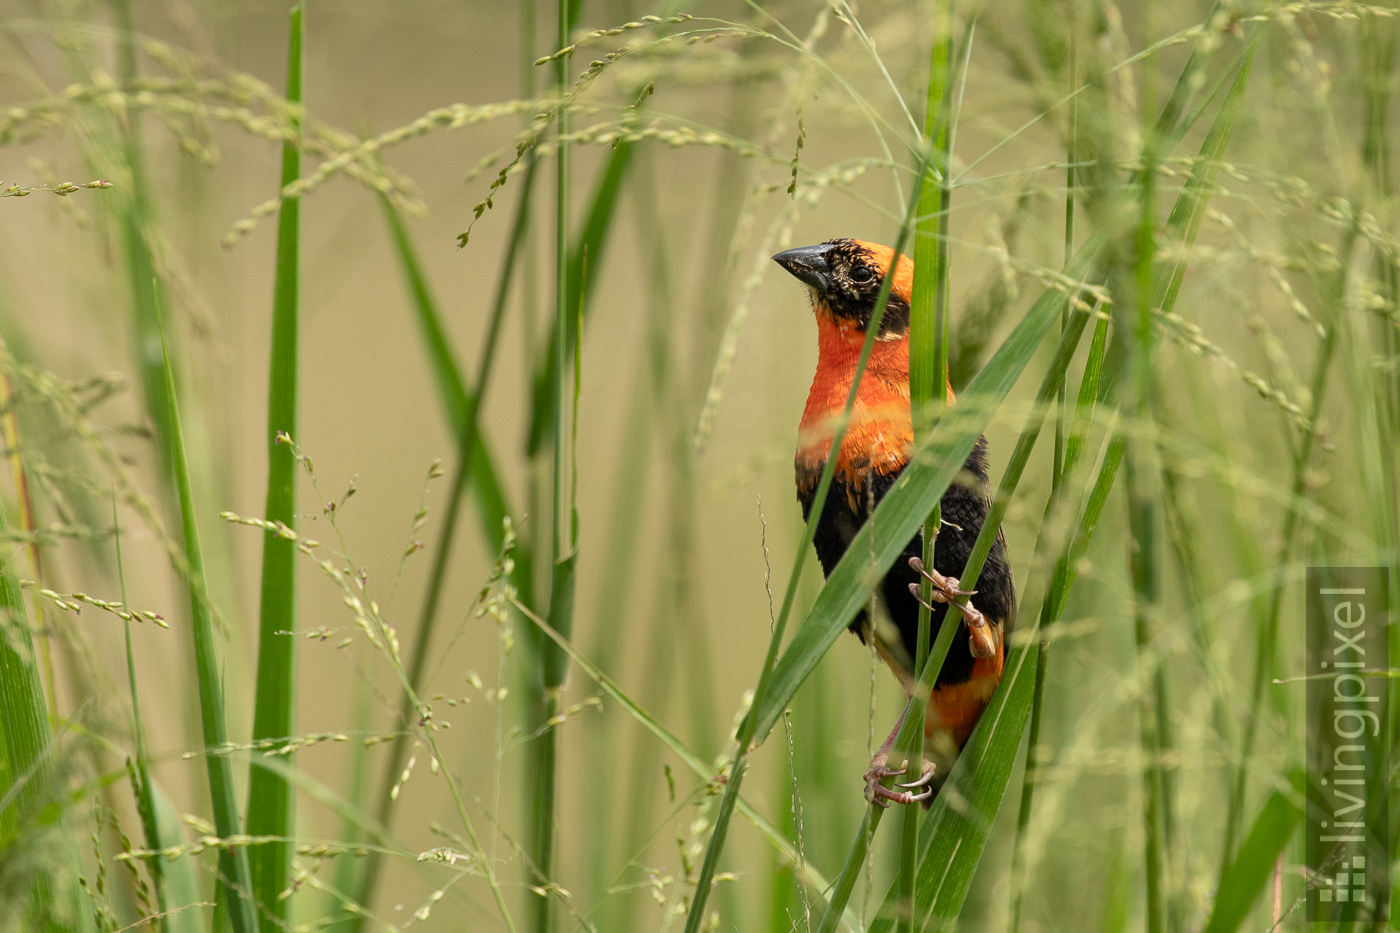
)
(844, 277)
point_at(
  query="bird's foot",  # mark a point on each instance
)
(882, 796)
(947, 590)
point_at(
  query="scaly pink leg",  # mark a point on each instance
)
(946, 590)
(880, 795)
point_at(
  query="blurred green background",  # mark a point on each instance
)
(695, 361)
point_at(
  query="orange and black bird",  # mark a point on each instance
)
(844, 278)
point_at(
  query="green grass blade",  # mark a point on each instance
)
(565, 342)
(1246, 877)
(135, 218)
(181, 882)
(452, 392)
(140, 769)
(234, 876)
(928, 381)
(576, 271)
(850, 871)
(1189, 211)
(930, 250)
(271, 801)
(1133, 314)
(592, 241)
(27, 774)
(452, 389)
(1074, 444)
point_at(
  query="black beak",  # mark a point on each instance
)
(809, 264)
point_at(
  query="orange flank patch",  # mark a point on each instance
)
(955, 710)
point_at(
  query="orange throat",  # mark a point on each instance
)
(881, 432)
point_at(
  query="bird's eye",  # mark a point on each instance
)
(862, 274)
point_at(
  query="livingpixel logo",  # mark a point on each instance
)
(1348, 699)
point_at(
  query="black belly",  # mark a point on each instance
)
(964, 510)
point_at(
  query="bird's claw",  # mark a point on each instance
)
(882, 796)
(945, 589)
(927, 776)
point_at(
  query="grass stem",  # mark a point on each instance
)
(271, 799)
(235, 878)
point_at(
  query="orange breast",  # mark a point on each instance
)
(881, 432)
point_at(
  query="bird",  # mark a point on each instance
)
(844, 277)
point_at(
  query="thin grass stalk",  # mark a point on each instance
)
(134, 219)
(9, 427)
(469, 462)
(349, 872)
(235, 878)
(1268, 636)
(629, 493)
(1133, 306)
(586, 251)
(452, 390)
(749, 727)
(1379, 48)
(1374, 447)
(1088, 392)
(928, 384)
(271, 800)
(1071, 155)
(563, 512)
(141, 767)
(1057, 476)
(700, 766)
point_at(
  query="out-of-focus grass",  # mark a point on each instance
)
(235, 879)
(1242, 371)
